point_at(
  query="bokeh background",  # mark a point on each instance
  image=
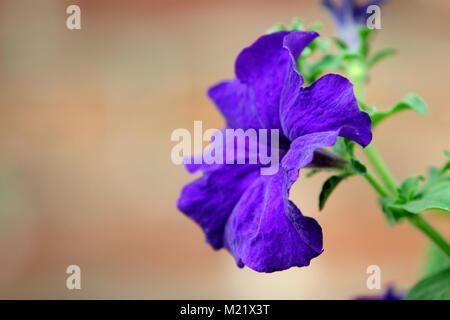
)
(85, 170)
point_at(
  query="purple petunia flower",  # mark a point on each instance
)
(348, 18)
(248, 213)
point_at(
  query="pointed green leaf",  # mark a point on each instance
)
(323, 44)
(358, 167)
(312, 172)
(297, 24)
(393, 213)
(415, 103)
(436, 260)
(328, 187)
(435, 287)
(344, 147)
(409, 188)
(381, 55)
(369, 109)
(391, 217)
(306, 52)
(436, 197)
(326, 63)
(435, 176)
(340, 148)
(410, 101)
(434, 194)
(340, 43)
(276, 28)
(446, 167)
(315, 26)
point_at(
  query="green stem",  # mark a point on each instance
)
(381, 169)
(420, 223)
(383, 172)
(376, 185)
(416, 219)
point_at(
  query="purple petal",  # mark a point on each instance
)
(327, 105)
(302, 149)
(267, 232)
(252, 100)
(210, 199)
(240, 147)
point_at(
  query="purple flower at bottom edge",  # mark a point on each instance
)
(390, 294)
(248, 213)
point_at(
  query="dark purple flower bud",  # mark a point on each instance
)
(326, 159)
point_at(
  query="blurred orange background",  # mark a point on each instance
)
(85, 170)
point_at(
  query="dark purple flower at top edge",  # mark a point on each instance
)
(248, 213)
(390, 294)
(349, 16)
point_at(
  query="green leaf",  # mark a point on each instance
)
(381, 55)
(327, 62)
(435, 177)
(339, 147)
(358, 167)
(352, 56)
(344, 147)
(297, 24)
(446, 167)
(315, 26)
(323, 44)
(435, 287)
(409, 188)
(393, 215)
(369, 109)
(312, 172)
(307, 51)
(415, 103)
(436, 197)
(304, 67)
(447, 153)
(410, 101)
(436, 260)
(276, 28)
(329, 185)
(412, 198)
(340, 43)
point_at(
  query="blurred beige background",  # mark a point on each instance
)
(85, 170)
